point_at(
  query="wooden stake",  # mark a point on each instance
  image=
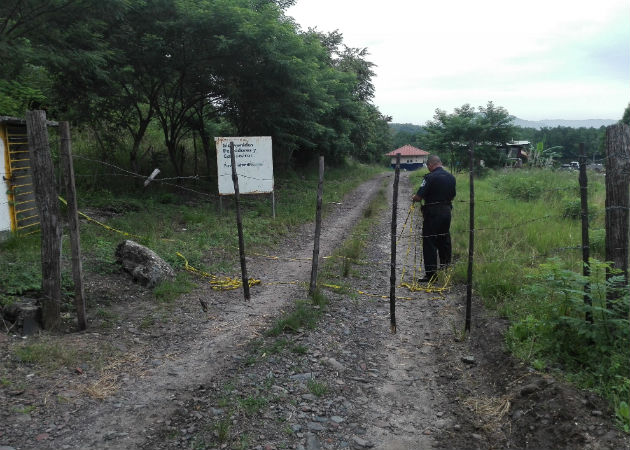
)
(318, 228)
(48, 206)
(73, 224)
(392, 276)
(586, 270)
(471, 239)
(617, 198)
(239, 224)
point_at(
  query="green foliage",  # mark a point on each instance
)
(622, 412)
(542, 157)
(304, 315)
(317, 388)
(553, 327)
(572, 209)
(222, 429)
(168, 291)
(20, 265)
(453, 133)
(128, 67)
(520, 188)
(16, 97)
(319, 298)
(561, 144)
(252, 404)
(48, 355)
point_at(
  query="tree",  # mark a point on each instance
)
(487, 127)
(32, 32)
(626, 115)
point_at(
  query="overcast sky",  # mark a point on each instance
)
(540, 59)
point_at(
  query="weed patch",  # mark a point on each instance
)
(316, 388)
(304, 315)
(48, 355)
(168, 291)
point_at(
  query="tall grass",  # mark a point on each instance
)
(520, 221)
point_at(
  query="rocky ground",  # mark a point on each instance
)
(151, 377)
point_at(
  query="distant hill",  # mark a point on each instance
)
(552, 123)
(406, 127)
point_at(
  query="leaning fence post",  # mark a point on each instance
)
(392, 276)
(318, 228)
(617, 198)
(239, 224)
(586, 270)
(471, 239)
(73, 224)
(48, 206)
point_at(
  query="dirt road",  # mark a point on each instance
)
(213, 379)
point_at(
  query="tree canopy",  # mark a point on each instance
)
(485, 126)
(185, 66)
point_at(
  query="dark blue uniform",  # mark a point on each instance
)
(438, 191)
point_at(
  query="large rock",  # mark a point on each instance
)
(143, 264)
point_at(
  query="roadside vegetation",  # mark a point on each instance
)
(528, 268)
(169, 222)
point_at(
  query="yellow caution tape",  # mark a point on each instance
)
(337, 287)
(218, 283)
(107, 227)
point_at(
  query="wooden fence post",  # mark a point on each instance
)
(392, 276)
(586, 270)
(239, 224)
(471, 239)
(617, 197)
(318, 228)
(73, 224)
(48, 206)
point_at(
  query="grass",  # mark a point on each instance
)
(252, 404)
(50, 355)
(25, 410)
(519, 221)
(303, 315)
(316, 388)
(168, 291)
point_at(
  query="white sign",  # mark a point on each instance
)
(254, 164)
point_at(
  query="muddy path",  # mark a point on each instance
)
(213, 379)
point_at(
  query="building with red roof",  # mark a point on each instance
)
(411, 158)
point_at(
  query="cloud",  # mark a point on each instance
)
(539, 59)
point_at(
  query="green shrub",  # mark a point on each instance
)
(572, 209)
(304, 315)
(520, 188)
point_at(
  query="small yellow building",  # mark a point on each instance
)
(18, 208)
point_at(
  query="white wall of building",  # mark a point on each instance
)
(409, 159)
(5, 214)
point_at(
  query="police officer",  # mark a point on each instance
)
(438, 191)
